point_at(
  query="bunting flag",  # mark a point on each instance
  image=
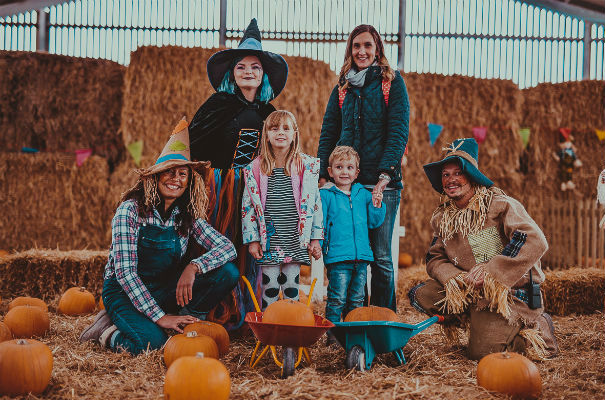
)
(434, 132)
(136, 151)
(82, 155)
(600, 133)
(565, 132)
(524, 133)
(480, 133)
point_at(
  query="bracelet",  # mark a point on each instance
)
(384, 177)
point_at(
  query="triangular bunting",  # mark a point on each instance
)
(480, 133)
(82, 155)
(600, 133)
(565, 132)
(136, 151)
(434, 132)
(524, 133)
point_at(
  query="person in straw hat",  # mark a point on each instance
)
(226, 131)
(147, 287)
(484, 261)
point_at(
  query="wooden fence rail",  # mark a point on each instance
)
(573, 234)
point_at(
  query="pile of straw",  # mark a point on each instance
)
(58, 103)
(575, 290)
(48, 273)
(50, 202)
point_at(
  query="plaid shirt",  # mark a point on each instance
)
(123, 252)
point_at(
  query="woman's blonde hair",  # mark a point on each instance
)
(267, 157)
(387, 72)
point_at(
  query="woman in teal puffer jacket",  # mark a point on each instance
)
(369, 111)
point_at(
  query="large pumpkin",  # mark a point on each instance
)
(77, 301)
(5, 332)
(510, 373)
(289, 312)
(197, 377)
(405, 260)
(27, 321)
(27, 301)
(26, 366)
(371, 313)
(189, 344)
(215, 331)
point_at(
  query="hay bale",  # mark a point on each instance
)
(164, 83)
(576, 290)
(59, 103)
(458, 103)
(48, 273)
(50, 202)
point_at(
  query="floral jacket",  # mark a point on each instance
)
(306, 196)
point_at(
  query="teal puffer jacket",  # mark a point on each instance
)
(347, 220)
(379, 133)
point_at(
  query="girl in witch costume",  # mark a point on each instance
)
(226, 130)
(148, 285)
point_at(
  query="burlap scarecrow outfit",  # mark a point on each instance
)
(495, 231)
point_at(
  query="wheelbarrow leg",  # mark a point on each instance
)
(262, 353)
(399, 356)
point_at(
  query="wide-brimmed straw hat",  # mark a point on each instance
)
(176, 153)
(274, 65)
(466, 151)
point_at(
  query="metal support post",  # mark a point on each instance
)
(222, 38)
(401, 50)
(587, 43)
(43, 28)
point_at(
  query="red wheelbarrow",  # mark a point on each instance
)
(289, 337)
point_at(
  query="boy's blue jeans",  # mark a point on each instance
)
(347, 281)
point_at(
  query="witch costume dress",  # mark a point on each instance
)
(226, 130)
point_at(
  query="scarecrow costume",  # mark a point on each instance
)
(496, 232)
(226, 130)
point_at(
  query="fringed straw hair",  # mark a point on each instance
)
(193, 203)
(267, 157)
(387, 72)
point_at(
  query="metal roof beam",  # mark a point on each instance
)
(570, 9)
(8, 9)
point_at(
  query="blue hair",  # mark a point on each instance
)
(264, 93)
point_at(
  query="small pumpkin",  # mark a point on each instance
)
(189, 344)
(101, 305)
(28, 301)
(26, 367)
(27, 321)
(289, 312)
(77, 301)
(216, 331)
(405, 260)
(371, 313)
(5, 332)
(4, 253)
(197, 377)
(510, 373)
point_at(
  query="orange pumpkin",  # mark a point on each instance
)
(189, 344)
(26, 367)
(27, 321)
(28, 301)
(5, 332)
(101, 305)
(4, 253)
(215, 331)
(371, 313)
(289, 312)
(77, 301)
(405, 260)
(510, 373)
(197, 377)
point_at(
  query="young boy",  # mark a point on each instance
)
(348, 214)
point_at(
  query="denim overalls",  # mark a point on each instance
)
(159, 266)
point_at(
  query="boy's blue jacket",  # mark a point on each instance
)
(346, 221)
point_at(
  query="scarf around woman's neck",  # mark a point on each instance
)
(357, 78)
(467, 220)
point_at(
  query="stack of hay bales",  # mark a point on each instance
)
(458, 103)
(57, 104)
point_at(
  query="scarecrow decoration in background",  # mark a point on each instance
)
(601, 195)
(567, 159)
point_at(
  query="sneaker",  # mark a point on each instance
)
(98, 326)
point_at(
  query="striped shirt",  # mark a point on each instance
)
(122, 261)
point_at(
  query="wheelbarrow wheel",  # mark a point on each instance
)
(356, 358)
(289, 362)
